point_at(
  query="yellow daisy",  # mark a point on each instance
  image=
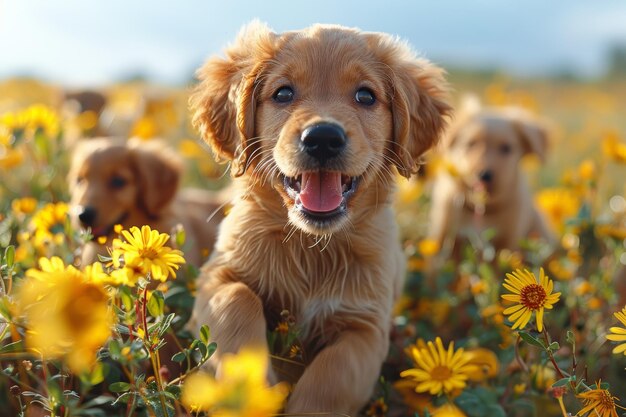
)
(145, 250)
(437, 370)
(49, 223)
(530, 296)
(32, 119)
(67, 316)
(613, 148)
(241, 390)
(600, 401)
(619, 333)
(22, 206)
(558, 204)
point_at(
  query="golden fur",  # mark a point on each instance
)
(484, 186)
(135, 183)
(338, 278)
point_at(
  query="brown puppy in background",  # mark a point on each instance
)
(484, 186)
(134, 183)
(315, 123)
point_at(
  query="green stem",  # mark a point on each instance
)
(154, 356)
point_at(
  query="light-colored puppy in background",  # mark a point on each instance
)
(483, 186)
(135, 183)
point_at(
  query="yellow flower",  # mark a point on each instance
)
(428, 247)
(485, 363)
(46, 266)
(145, 128)
(408, 190)
(530, 296)
(241, 391)
(542, 376)
(9, 157)
(587, 170)
(66, 316)
(613, 148)
(437, 370)
(21, 206)
(31, 119)
(95, 273)
(378, 408)
(600, 401)
(618, 334)
(558, 204)
(191, 149)
(448, 410)
(49, 224)
(615, 231)
(145, 251)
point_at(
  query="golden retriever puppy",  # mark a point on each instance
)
(484, 186)
(315, 124)
(134, 183)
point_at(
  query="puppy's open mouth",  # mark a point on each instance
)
(321, 195)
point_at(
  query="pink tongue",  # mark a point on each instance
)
(321, 191)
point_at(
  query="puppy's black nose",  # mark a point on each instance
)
(323, 141)
(88, 216)
(486, 176)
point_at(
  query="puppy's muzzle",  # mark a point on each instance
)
(323, 141)
(486, 176)
(87, 216)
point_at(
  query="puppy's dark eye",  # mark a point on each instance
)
(117, 182)
(365, 96)
(283, 95)
(505, 149)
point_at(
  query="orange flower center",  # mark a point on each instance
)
(441, 373)
(606, 399)
(533, 296)
(148, 253)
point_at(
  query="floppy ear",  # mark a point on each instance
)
(533, 134)
(418, 105)
(158, 171)
(223, 103)
(468, 108)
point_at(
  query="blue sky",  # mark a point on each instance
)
(91, 42)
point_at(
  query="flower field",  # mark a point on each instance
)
(535, 332)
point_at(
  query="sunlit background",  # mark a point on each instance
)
(82, 43)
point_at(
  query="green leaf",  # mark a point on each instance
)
(211, 349)
(561, 382)
(180, 237)
(156, 304)
(205, 334)
(12, 347)
(115, 349)
(9, 256)
(95, 376)
(119, 387)
(166, 323)
(123, 398)
(179, 357)
(5, 308)
(174, 390)
(202, 348)
(127, 298)
(570, 338)
(554, 346)
(531, 340)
